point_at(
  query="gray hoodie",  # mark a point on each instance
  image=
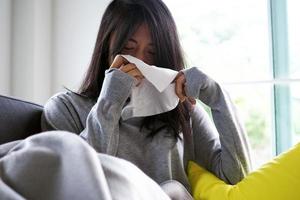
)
(219, 145)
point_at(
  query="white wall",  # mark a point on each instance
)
(75, 26)
(45, 45)
(31, 49)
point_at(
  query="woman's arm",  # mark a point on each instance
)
(102, 124)
(223, 148)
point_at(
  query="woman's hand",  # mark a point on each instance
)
(129, 68)
(180, 82)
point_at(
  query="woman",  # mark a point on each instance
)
(159, 145)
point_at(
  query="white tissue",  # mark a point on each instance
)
(154, 95)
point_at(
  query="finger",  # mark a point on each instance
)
(136, 73)
(127, 68)
(118, 62)
(180, 82)
(181, 77)
(179, 89)
(179, 74)
(130, 67)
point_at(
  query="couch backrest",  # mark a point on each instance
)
(18, 119)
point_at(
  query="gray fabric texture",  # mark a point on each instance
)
(219, 145)
(58, 165)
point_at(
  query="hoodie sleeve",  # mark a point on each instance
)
(102, 124)
(220, 145)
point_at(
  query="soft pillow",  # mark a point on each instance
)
(276, 180)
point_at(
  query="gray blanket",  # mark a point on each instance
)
(60, 165)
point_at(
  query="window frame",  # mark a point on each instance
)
(281, 94)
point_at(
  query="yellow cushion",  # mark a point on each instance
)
(279, 179)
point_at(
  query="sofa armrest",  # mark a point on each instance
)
(18, 119)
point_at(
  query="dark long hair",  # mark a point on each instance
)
(122, 18)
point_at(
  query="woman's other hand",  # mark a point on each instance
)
(129, 68)
(180, 88)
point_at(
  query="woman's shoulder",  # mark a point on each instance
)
(66, 111)
(67, 101)
(69, 98)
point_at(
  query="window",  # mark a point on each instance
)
(237, 43)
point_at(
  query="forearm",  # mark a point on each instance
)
(224, 148)
(102, 125)
(235, 155)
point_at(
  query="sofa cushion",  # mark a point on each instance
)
(277, 179)
(18, 119)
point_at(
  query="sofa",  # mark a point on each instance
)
(37, 168)
(18, 119)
